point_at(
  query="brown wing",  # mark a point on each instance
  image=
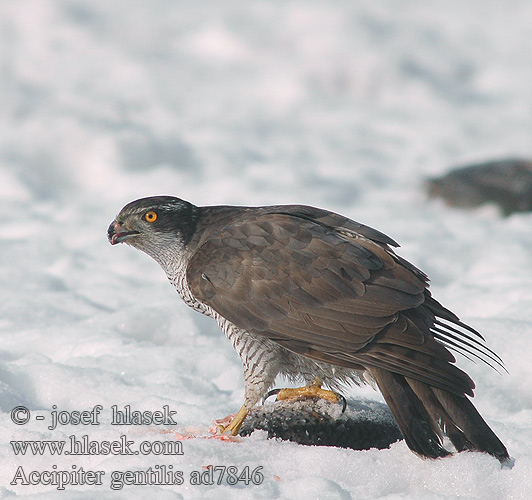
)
(326, 294)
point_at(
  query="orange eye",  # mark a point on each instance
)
(150, 216)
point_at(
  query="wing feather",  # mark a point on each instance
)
(327, 288)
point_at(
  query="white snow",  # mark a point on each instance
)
(343, 105)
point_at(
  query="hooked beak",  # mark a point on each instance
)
(117, 233)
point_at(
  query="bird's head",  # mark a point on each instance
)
(154, 224)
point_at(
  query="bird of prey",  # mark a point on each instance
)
(319, 298)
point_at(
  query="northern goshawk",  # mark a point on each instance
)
(319, 298)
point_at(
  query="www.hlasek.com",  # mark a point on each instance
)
(84, 446)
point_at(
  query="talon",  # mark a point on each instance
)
(309, 391)
(273, 392)
(312, 390)
(234, 425)
(344, 402)
(220, 424)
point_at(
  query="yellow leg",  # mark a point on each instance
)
(236, 423)
(313, 390)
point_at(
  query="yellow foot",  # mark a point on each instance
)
(313, 390)
(235, 423)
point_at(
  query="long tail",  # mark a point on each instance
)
(422, 411)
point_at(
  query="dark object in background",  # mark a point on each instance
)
(363, 425)
(506, 183)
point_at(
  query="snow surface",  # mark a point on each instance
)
(343, 105)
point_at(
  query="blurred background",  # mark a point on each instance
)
(344, 105)
(258, 102)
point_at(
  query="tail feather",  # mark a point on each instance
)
(438, 413)
(420, 410)
(421, 432)
(464, 416)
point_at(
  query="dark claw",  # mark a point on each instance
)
(273, 392)
(343, 400)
